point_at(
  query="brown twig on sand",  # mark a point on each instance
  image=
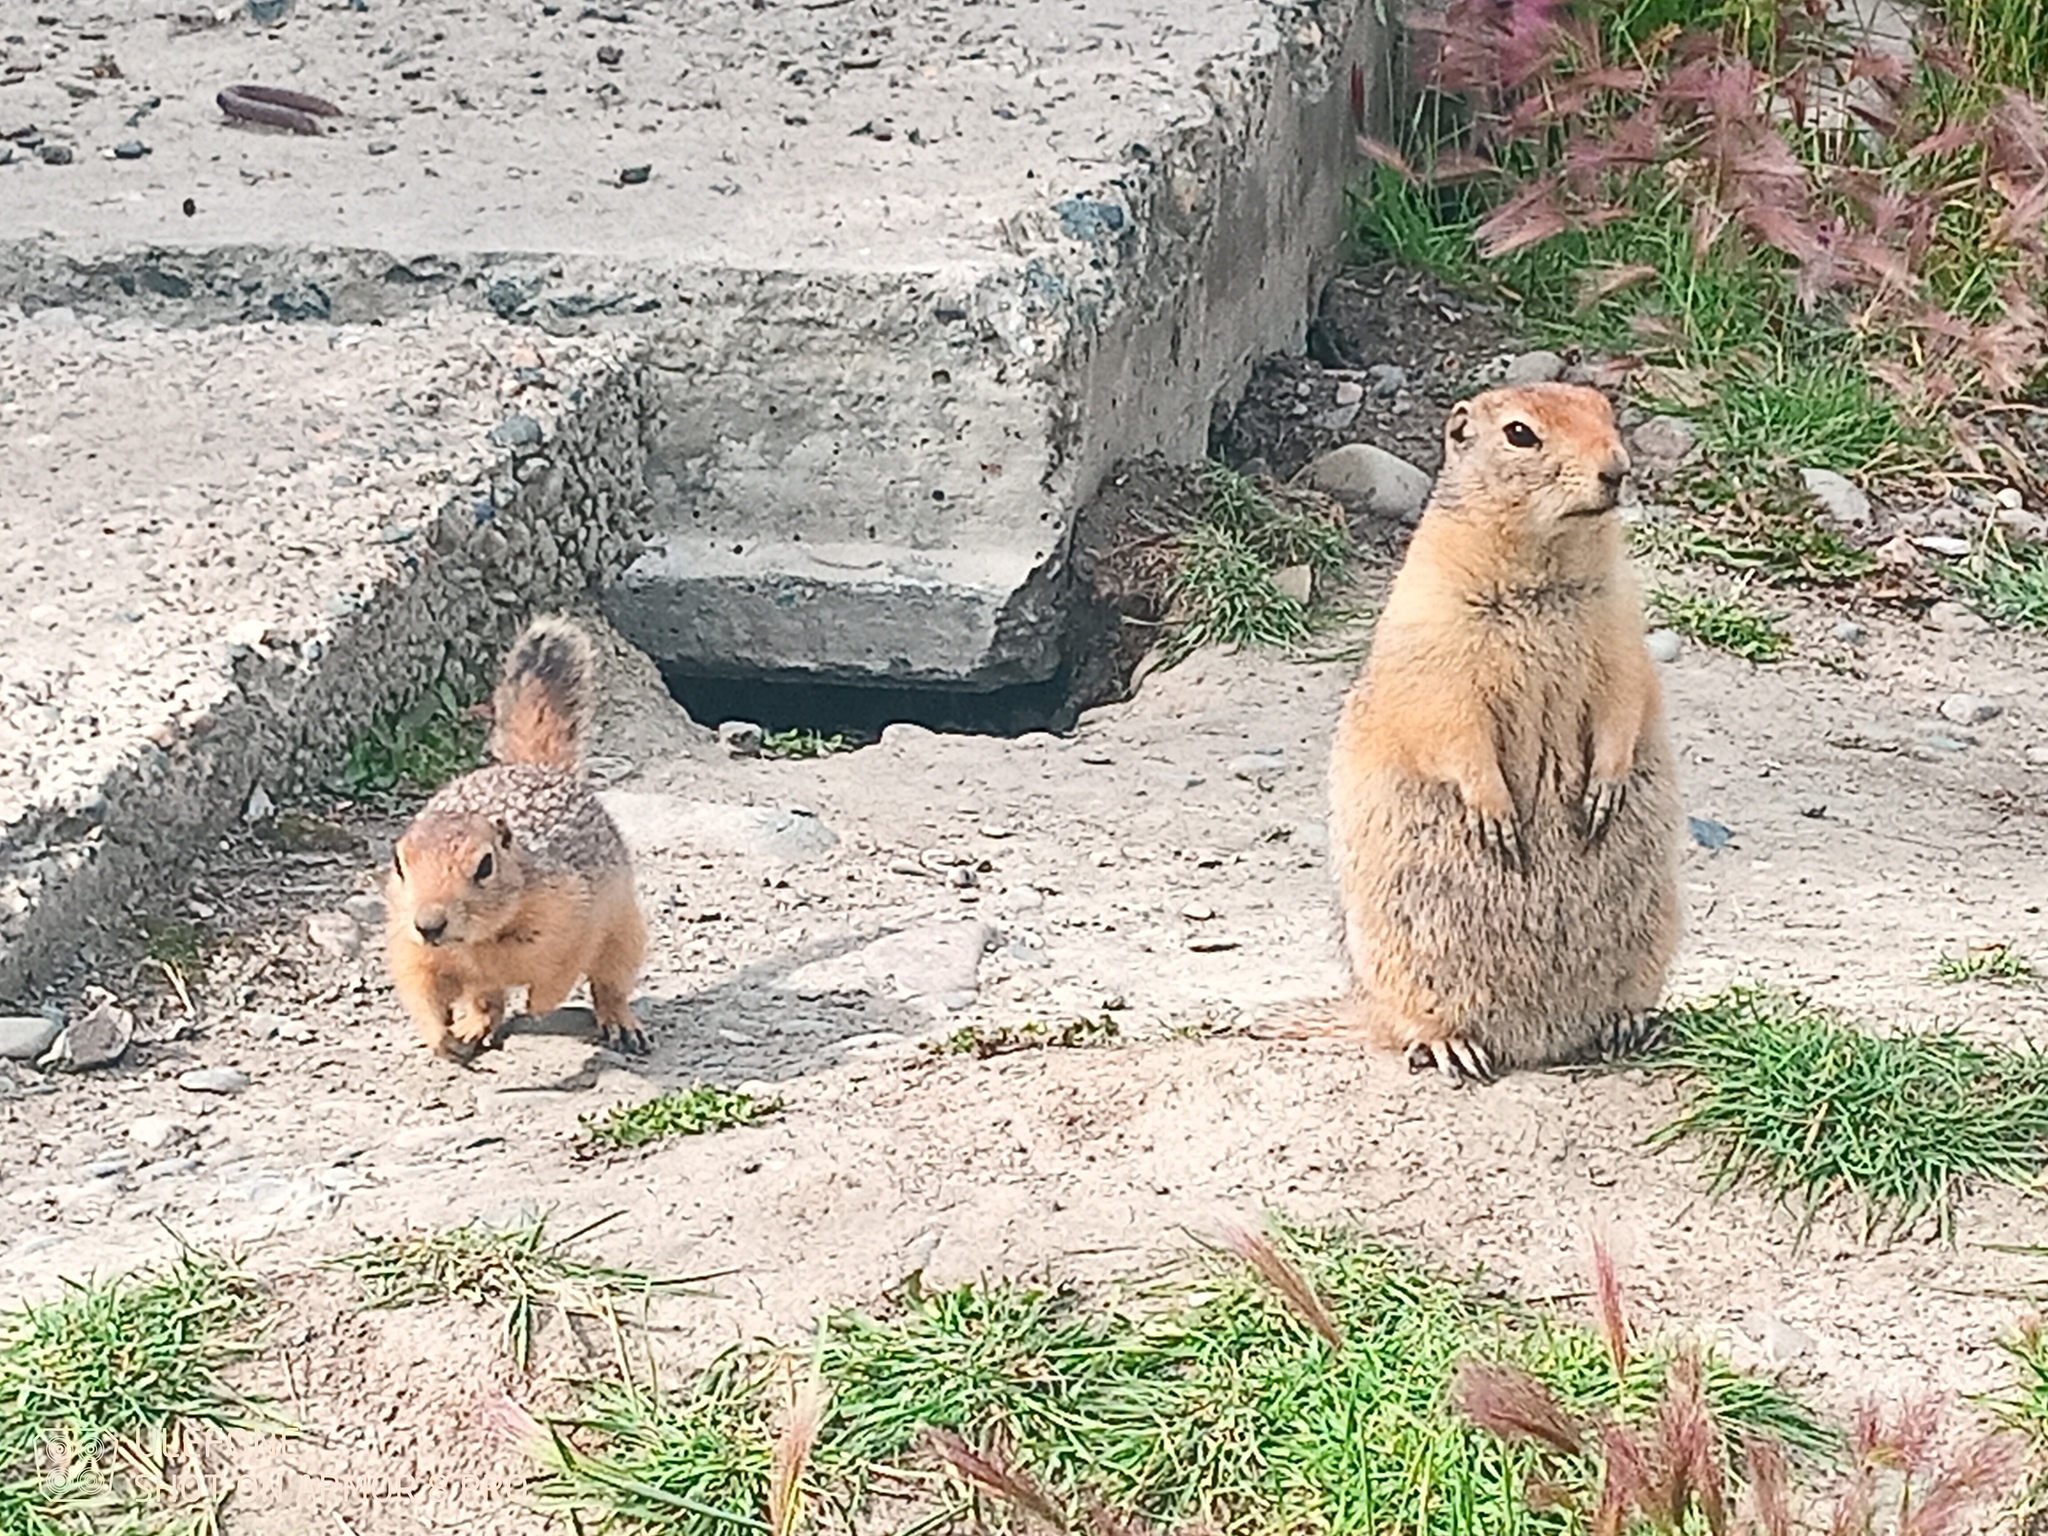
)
(276, 107)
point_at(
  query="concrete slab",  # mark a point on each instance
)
(226, 549)
(911, 273)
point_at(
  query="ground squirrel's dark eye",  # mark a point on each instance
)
(484, 866)
(1522, 435)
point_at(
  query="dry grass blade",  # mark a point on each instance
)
(1770, 1484)
(1607, 1308)
(794, 1443)
(1279, 1272)
(992, 1472)
(1514, 1405)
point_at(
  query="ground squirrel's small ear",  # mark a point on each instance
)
(503, 834)
(398, 861)
(1458, 425)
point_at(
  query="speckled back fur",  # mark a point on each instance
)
(552, 815)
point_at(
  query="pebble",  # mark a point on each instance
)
(98, 1038)
(2009, 498)
(635, 175)
(1297, 581)
(1710, 834)
(55, 154)
(1662, 443)
(381, 146)
(260, 807)
(130, 149)
(742, 738)
(1662, 644)
(1257, 766)
(336, 933)
(1539, 367)
(1387, 379)
(2038, 756)
(1197, 913)
(1021, 898)
(518, 431)
(1943, 544)
(1840, 500)
(25, 1037)
(1350, 392)
(1969, 709)
(108, 1167)
(1369, 481)
(155, 1132)
(1338, 418)
(1956, 619)
(1850, 632)
(214, 1080)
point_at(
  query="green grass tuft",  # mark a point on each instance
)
(983, 1041)
(413, 752)
(1207, 1399)
(1222, 590)
(2005, 580)
(1787, 1095)
(518, 1267)
(1722, 622)
(98, 1386)
(803, 743)
(691, 1111)
(1991, 962)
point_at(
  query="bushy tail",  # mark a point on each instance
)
(542, 711)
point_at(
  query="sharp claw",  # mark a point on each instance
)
(1472, 1057)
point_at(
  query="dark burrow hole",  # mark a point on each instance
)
(859, 712)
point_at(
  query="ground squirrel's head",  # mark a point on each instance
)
(454, 877)
(1551, 450)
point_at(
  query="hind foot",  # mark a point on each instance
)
(1636, 1032)
(618, 1027)
(1458, 1059)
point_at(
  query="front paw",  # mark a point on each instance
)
(626, 1036)
(1459, 1060)
(1603, 799)
(1498, 836)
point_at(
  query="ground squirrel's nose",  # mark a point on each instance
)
(1613, 472)
(431, 926)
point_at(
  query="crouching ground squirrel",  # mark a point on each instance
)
(1504, 807)
(514, 875)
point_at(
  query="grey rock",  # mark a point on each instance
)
(1297, 581)
(1369, 481)
(517, 431)
(2037, 756)
(1969, 709)
(742, 738)
(1349, 392)
(1944, 544)
(55, 154)
(153, 1133)
(934, 962)
(1849, 632)
(259, 808)
(1956, 619)
(1662, 443)
(655, 822)
(217, 1080)
(1387, 379)
(1942, 741)
(1539, 367)
(1662, 644)
(635, 175)
(1337, 418)
(28, 1036)
(130, 149)
(336, 933)
(1839, 499)
(97, 1038)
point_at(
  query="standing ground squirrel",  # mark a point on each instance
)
(1504, 802)
(514, 875)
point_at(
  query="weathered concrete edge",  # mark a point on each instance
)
(562, 526)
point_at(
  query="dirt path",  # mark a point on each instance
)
(1131, 868)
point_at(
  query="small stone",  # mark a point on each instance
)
(336, 933)
(260, 807)
(1369, 481)
(97, 1038)
(1021, 899)
(1710, 834)
(2019, 523)
(1296, 581)
(1955, 619)
(1349, 392)
(155, 1132)
(1849, 632)
(222, 1080)
(1539, 367)
(635, 175)
(516, 432)
(1941, 741)
(1840, 500)
(1258, 766)
(108, 1167)
(130, 149)
(1969, 709)
(26, 1036)
(1197, 913)
(1662, 443)
(610, 55)
(1387, 379)
(367, 908)
(1946, 544)
(742, 738)
(1662, 644)
(2037, 756)
(55, 154)
(381, 146)
(1338, 418)
(996, 829)
(2009, 498)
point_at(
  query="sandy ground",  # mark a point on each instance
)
(1128, 868)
